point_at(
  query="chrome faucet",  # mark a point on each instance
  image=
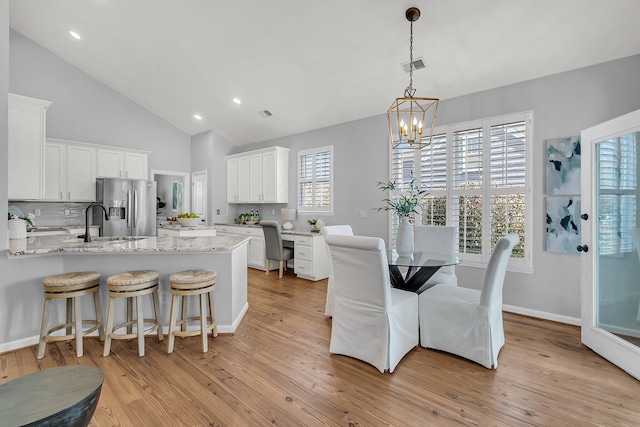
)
(87, 231)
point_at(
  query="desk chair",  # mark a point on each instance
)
(274, 249)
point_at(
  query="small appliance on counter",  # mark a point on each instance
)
(17, 228)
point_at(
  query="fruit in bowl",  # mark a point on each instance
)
(188, 219)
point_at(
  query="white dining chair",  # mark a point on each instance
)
(468, 322)
(340, 230)
(438, 239)
(372, 321)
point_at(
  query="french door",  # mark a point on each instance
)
(610, 263)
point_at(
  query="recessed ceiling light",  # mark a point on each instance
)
(75, 35)
(197, 116)
(237, 100)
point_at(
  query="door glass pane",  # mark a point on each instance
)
(617, 237)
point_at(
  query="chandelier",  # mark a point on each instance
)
(412, 119)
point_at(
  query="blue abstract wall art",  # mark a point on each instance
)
(563, 224)
(563, 166)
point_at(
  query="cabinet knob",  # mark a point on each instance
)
(584, 216)
(583, 248)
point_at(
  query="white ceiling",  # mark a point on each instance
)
(317, 63)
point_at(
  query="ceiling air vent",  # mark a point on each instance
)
(417, 64)
(265, 113)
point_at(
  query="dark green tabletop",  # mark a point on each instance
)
(64, 396)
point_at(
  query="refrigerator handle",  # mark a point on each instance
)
(129, 212)
(135, 208)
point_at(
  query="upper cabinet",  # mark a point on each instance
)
(27, 119)
(71, 168)
(70, 171)
(118, 163)
(260, 176)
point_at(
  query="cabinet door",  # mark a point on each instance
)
(26, 147)
(110, 163)
(81, 173)
(243, 180)
(255, 178)
(269, 177)
(256, 252)
(232, 180)
(135, 165)
(55, 171)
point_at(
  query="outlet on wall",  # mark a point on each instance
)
(218, 212)
(37, 212)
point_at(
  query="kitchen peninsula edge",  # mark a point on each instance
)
(34, 258)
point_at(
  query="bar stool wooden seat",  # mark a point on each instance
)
(183, 285)
(70, 287)
(132, 285)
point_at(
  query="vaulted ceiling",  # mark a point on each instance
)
(317, 63)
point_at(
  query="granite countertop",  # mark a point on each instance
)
(176, 226)
(65, 244)
(300, 232)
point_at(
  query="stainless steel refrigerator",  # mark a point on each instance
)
(131, 204)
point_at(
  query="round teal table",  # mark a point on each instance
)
(64, 396)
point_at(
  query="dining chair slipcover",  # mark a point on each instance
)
(372, 321)
(438, 239)
(273, 245)
(468, 322)
(341, 230)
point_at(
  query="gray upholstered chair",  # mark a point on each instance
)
(273, 243)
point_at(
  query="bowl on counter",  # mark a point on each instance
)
(189, 222)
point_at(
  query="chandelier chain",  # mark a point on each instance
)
(409, 89)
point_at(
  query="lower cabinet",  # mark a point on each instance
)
(256, 249)
(310, 261)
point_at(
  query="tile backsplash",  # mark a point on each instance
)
(54, 213)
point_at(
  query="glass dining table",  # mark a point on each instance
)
(420, 266)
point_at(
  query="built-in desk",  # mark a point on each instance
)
(310, 258)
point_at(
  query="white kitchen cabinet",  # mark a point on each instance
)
(55, 171)
(260, 176)
(70, 171)
(117, 163)
(310, 256)
(232, 180)
(27, 121)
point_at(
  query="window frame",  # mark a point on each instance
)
(314, 209)
(525, 264)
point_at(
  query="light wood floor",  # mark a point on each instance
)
(277, 370)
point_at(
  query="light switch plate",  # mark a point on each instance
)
(363, 214)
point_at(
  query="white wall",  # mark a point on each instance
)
(84, 109)
(207, 153)
(562, 104)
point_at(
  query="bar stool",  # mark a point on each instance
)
(185, 284)
(130, 285)
(70, 287)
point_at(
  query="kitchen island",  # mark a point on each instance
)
(227, 255)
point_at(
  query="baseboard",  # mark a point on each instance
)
(542, 315)
(26, 342)
(17, 344)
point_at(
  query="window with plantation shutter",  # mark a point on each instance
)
(315, 180)
(616, 160)
(477, 179)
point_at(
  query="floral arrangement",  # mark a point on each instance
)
(402, 202)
